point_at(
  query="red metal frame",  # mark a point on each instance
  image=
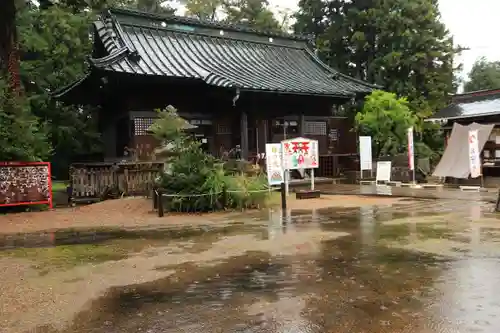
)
(49, 175)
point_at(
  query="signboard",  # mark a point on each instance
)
(300, 153)
(365, 152)
(411, 155)
(384, 171)
(474, 160)
(333, 134)
(275, 174)
(25, 183)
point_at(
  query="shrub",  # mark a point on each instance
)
(194, 181)
(246, 191)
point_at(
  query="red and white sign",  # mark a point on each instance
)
(411, 155)
(474, 160)
(300, 153)
(25, 183)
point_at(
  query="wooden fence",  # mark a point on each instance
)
(92, 180)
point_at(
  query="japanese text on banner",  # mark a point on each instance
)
(411, 156)
(474, 160)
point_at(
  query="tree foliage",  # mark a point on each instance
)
(204, 9)
(253, 13)
(22, 136)
(398, 44)
(386, 118)
(484, 75)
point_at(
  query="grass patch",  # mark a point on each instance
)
(273, 199)
(59, 186)
(68, 256)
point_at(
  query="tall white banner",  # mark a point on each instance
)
(411, 154)
(474, 160)
(365, 152)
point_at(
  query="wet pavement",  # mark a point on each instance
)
(415, 267)
(489, 195)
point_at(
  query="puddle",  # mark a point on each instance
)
(249, 294)
(416, 268)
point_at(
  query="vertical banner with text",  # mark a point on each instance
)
(365, 152)
(474, 160)
(411, 154)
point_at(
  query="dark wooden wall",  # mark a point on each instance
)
(196, 101)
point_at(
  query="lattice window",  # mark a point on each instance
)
(223, 129)
(315, 128)
(141, 125)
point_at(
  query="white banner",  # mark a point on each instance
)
(384, 169)
(411, 155)
(474, 159)
(274, 164)
(365, 152)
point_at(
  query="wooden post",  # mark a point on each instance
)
(497, 206)
(244, 135)
(160, 203)
(224, 197)
(302, 125)
(283, 196)
(155, 199)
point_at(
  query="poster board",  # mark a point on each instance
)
(384, 169)
(365, 152)
(274, 167)
(25, 183)
(300, 153)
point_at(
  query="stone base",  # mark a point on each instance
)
(307, 194)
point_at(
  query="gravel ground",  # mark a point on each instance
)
(137, 212)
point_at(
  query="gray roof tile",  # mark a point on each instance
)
(176, 47)
(474, 104)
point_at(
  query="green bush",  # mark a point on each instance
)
(246, 191)
(194, 181)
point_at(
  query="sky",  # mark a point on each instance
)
(474, 24)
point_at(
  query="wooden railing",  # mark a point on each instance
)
(93, 180)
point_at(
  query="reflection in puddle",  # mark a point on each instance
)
(390, 274)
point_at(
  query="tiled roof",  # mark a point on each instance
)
(469, 105)
(220, 55)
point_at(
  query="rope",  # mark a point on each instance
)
(187, 195)
(256, 191)
(207, 194)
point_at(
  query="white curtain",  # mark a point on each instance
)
(455, 160)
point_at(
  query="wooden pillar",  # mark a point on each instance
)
(244, 135)
(262, 135)
(302, 125)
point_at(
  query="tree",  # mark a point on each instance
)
(254, 13)
(22, 137)
(58, 41)
(77, 6)
(398, 44)
(484, 75)
(204, 9)
(386, 118)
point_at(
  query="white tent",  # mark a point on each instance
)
(455, 160)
